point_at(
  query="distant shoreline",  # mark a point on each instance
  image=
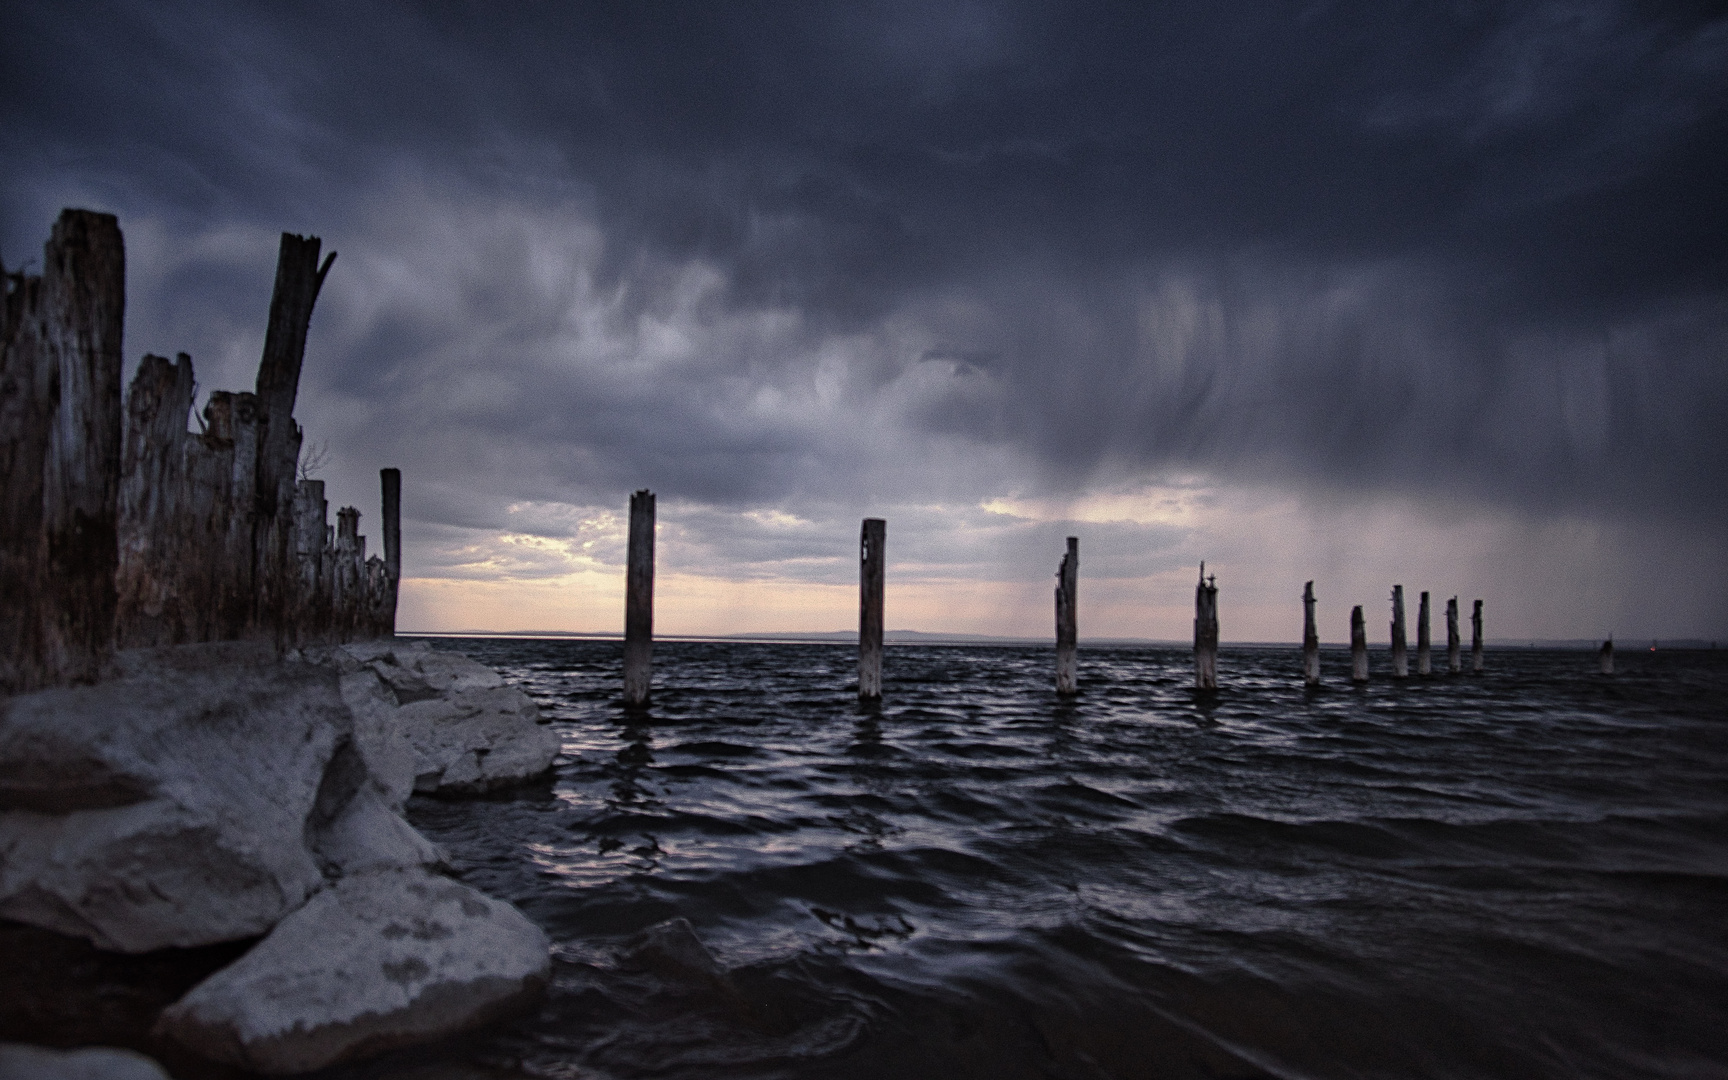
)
(920, 637)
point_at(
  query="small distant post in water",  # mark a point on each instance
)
(1453, 664)
(1400, 645)
(1358, 646)
(1605, 656)
(639, 600)
(872, 544)
(1424, 640)
(1206, 631)
(1476, 639)
(1310, 639)
(1067, 622)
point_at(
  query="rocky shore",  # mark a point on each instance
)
(210, 793)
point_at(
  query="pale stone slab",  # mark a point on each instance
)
(169, 806)
(199, 796)
(376, 961)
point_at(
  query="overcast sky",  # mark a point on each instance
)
(1364, 293)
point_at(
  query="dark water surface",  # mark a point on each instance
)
(1519, 874)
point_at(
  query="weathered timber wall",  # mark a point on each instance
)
(124, 528)
(217, 540)
(59, 454)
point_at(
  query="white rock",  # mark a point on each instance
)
(199, 796)
(368, 835)
(448, 671)
(376, 961)
(388, 754)
(476, 740)
(432, 721)
(168, 806)
(21, 1062)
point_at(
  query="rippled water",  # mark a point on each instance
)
(1519, 874)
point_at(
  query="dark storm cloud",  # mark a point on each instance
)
(1476, 249)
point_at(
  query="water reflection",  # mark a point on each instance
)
(633, 760)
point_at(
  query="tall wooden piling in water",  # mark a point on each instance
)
(1476, 638)
(1067, 621)
(1400, 645)
(1424, 639)
(1358, 646)
(1453, 664)
(872, 578)
(1605, 657)
(639, 600)
(1206, 631)
(1310, 639)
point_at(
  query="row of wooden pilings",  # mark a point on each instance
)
(872, 552)
(1400, 642)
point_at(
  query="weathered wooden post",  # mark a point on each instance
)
(1605, 657)
(1067, 623)
(1453, 665)
(390, 481)
(1424, 640)
(267, 441)
(1400, 646)
(639, 600)
(1206, 631)
(391, 505)
(1476, 639)
(1310, 639)
(60, 455)
(872, 577)
(1358, 646)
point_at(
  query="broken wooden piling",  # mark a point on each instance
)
(1358, 646)
(1605, 657)
(1400, 646)
(1206, 632)
(1424, 640)
(1453, 666)
(1476, 638)
(1067, 623)
(639, 600)
(1310, 639)
(872, 565)
(60, 454)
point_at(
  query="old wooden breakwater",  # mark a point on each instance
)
(122, 528)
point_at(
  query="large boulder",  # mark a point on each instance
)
(375, 961)
(436, 722)
(198, 796)
(476, 740)
(386, 750)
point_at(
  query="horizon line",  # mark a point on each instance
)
(846, 637)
